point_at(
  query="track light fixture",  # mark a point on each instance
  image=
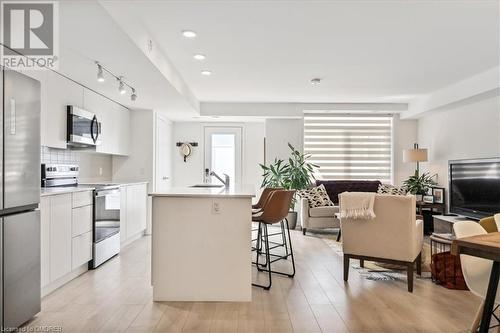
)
(122, 85)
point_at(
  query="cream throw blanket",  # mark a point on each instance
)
(357, 205)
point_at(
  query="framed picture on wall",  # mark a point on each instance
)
(438, 194)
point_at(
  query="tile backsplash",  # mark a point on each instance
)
(94, 167)
(61, 156)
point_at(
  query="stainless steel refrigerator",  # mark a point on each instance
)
(19, 198)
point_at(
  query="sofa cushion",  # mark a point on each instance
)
(335, 187)
(316, 196)
(325, 211)
(391, 189)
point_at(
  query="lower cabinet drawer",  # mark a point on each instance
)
(81, 220)
(82, 249)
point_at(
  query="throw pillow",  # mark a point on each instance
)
(391, 189)
(316, 196)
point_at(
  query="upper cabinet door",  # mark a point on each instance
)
(61, 92)
(21, 140)
(114, 123)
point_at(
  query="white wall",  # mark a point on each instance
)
(191, 171)
(466, 131)
(138, 166)
(405, 134)
(280, 132)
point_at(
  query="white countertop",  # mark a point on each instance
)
(46, 191)
(235, 191)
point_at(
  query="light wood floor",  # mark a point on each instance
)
(118, 298)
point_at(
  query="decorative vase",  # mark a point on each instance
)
(292, 220)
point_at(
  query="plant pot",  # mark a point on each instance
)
(292, 220)
(419, 197)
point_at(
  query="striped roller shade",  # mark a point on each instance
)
(350, 146)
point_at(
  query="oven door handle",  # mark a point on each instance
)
(106, 192)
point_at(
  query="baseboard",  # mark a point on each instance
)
(64, 279)
(132, 239)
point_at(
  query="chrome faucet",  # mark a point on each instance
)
(225, 182)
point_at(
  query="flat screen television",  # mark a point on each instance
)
(474, 187)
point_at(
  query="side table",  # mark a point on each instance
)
(432, 207)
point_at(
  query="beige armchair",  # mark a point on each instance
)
(394, 236)
(318, 217)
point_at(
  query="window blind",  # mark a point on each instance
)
(350, 146)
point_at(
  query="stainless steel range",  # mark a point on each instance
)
(106, 231)
(106, 209)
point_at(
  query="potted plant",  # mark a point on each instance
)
(294, 174)
(419, 185)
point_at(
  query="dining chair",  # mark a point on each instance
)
(476, 270)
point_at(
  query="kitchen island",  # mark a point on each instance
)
(201, 244)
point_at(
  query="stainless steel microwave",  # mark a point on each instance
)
(84, 129)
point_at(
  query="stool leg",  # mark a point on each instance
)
(283, 237)
(291, 250)
(268, 259)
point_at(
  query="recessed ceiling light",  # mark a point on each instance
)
(206, 72)
(315, 81)
(189, 33)
(199, 56)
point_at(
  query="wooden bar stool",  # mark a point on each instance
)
(275, 211)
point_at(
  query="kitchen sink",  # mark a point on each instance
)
(208, 185)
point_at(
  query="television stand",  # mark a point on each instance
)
(444, 223)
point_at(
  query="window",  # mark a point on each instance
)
(350, 146)
(223, 151)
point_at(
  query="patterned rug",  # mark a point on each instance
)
(375, 271)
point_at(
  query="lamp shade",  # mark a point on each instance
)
(415, 155)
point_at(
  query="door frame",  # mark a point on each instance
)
(235, 129)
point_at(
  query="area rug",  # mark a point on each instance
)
(376, 271)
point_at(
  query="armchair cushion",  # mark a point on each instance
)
(325, 211)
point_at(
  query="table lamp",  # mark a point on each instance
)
(415, 155)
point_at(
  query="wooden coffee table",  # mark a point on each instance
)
(485, 246)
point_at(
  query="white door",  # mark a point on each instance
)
(163, 154)
(223, 152)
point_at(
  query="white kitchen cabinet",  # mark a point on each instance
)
(81, 249)
(115, 122)
(45, 240)
(60, 92)
(123, 214)
(60, 235)
(135, 210)
(66, 237)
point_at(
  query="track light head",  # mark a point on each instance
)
(121, 86)
(100, 73)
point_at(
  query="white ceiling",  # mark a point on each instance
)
(365, 51)
(87, 33)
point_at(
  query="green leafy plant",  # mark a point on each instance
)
(295, 174)
(419, 184)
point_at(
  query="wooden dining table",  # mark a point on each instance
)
(485, 246)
